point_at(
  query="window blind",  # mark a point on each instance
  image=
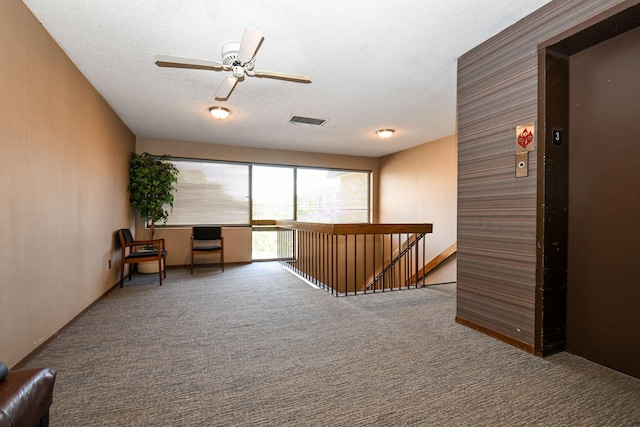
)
(211, 193)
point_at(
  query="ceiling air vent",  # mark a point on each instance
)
(306, 121)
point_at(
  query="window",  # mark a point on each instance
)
(272, 189)
(225, 193)
(273, 196)
(332, 196)
(322, 195)
(211, 193)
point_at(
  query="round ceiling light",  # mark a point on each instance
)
(385, 133)
(220, 113)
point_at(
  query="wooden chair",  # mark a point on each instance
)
(131, 256)
(207, 236)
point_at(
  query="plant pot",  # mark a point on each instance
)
(149, 267)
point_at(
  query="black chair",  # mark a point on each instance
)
(132, 256)
(203, 240)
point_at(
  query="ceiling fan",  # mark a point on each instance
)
(239, 58)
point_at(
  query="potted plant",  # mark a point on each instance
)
(151, 187)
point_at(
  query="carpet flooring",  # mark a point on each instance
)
(256, 346)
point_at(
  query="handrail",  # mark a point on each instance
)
(411, 243)
(363, 228)
(436, 262)
(353, 258)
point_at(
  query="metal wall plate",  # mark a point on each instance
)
(522, 164)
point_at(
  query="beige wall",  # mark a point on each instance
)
(420, 185)
(237, 240)
(237, 245)
(62, 184)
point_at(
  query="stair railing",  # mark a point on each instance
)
(350, 259)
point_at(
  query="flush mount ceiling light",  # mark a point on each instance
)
(220, 113)
(385, 133)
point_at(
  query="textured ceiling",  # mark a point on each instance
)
(374, 64)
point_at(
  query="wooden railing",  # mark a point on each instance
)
(349, 259)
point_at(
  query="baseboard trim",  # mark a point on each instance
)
(497, 335)
(22, 362)
(205, 264)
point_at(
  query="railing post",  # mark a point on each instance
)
(346, 263)
(409, 261)
(417, 260)
(364, 264)
(375, 241)
(424, 258)
(355, 264)
(334, 263)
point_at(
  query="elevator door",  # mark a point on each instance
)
(603, 267)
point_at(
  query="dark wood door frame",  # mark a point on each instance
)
(553, 161)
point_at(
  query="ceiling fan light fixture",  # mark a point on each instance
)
(237, 57)
(385, 133)
(219, 113)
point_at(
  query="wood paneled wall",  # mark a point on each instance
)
(497, 213)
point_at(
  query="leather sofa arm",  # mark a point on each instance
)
(25, 396)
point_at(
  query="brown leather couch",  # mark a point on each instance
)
(25, 397)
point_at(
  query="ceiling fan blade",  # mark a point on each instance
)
(225, 88)
(250, 41)
(183, 62)
(282, 76)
